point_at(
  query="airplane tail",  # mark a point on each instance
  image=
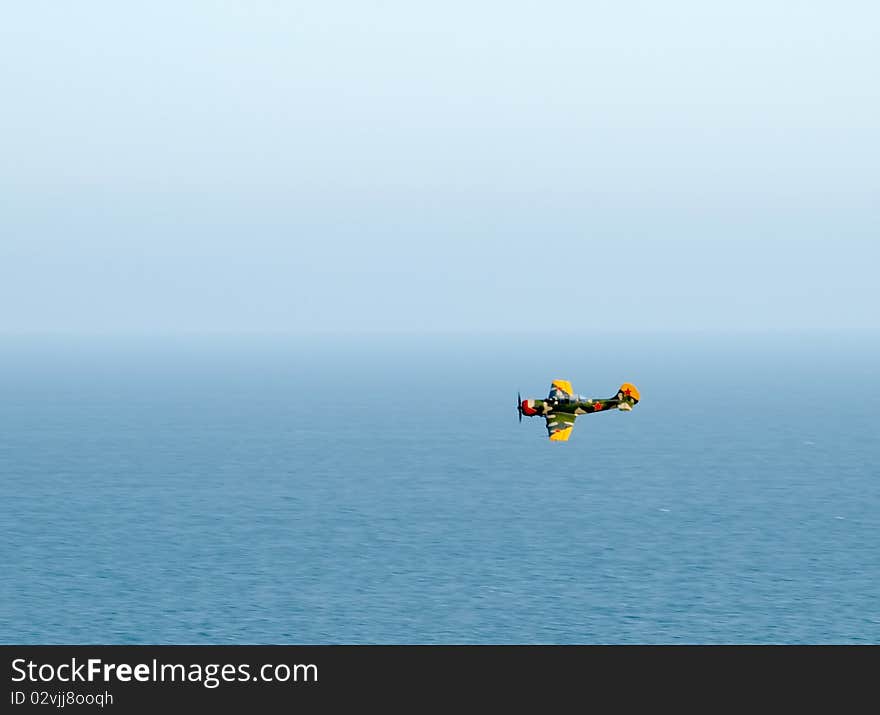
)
(629, 396)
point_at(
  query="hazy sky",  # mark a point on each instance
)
(439, 166)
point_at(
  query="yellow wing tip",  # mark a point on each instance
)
(564, 385)
(561, 436)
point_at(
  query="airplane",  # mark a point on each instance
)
(562, 407)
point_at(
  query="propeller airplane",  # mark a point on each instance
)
(562, 407)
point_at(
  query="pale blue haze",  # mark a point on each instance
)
(396, 166)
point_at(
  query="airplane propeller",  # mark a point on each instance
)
(519, 405)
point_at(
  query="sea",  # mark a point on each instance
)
(376, 489)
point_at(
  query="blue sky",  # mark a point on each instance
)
(433, 167)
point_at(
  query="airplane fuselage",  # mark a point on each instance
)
(532, 408)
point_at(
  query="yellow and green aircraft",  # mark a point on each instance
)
(562, 407)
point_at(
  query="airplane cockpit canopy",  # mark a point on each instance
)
(572, 398)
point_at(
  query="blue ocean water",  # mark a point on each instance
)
(380, 490)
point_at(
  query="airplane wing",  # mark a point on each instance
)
(561, 390)
(559, 426)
